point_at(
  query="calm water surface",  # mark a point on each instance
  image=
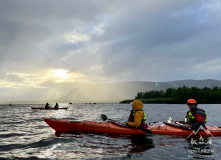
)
(25, 135)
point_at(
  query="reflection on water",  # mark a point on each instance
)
(113, 145)
(49, 152)
(60, 114)
(141, 143)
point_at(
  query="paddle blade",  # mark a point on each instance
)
(146, 130)
(170, 120)
(103, 117)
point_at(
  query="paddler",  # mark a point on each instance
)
(56, 106)
(195, 117)
(137, 116)
(47, 106)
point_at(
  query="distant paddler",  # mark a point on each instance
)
(47, 106)
(56, 106)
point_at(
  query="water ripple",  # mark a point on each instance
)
(25, 135)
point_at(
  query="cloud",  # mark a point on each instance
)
(106, 41)
(210, 66)
(13, 78)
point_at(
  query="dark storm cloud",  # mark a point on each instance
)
(51, 10)
(26, 27)
(161, 40)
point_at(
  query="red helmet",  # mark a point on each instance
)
(191, 101)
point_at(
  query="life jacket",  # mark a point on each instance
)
(190, 116)
(131, 118)
(47, 106)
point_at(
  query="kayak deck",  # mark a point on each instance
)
(49, 108)
(91, 126)
(171, 129)
(112, 127)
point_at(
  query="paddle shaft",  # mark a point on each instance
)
(179, 123)
(104, 117)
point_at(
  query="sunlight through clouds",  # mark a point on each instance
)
(61, 73)
(77, 44)
(62, 76)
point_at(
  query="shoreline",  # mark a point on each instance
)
(170, 101)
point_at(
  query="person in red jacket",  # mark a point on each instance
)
(137, 116)
(195, 117)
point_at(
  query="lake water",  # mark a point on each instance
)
(25, 135)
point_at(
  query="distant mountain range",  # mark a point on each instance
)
(115, 92)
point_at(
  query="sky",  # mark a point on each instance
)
(49, 47)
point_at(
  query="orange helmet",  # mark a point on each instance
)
(191, 101)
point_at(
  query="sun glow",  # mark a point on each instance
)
(60, 73)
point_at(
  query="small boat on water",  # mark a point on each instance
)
(49, 108)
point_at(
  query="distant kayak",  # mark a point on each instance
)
(119, 128)
(49, 108)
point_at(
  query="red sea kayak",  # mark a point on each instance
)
(119, 128)
(49, 108)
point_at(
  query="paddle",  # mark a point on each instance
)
(170, 120)
(104, 118)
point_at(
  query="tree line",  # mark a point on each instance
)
(180, 95)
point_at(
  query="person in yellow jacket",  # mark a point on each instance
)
(137, 116)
